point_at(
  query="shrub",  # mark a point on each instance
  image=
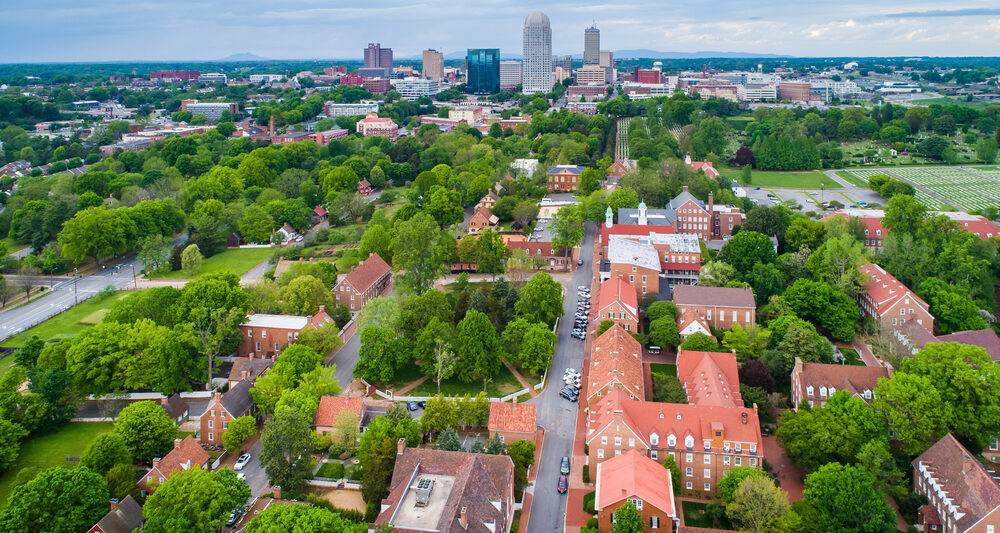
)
(586, 473)
(588, 503)
(515, 525)
(592, 522)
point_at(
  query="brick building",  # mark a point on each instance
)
(635, 263)
(885, 299)
(814, 383)
(512, 421)
(542, 256)
(187, 454)
(365, 281)
(481, 219)
(223, 409)
(710, 378)
(263, 335)
(721, 306)
(373, 125)
(563, 178)
(615, 364)
(690, 322)
(962, 496)
(634, 478)
(330, 408)
(874, 231)
(618, 303)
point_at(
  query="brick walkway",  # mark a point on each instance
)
(790, 477)
(520, 379)
(411, 386)
(866, 355)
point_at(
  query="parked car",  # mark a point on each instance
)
(241, 475)
(562, 485)
(411, 405)
(579, 262)
(568, 395)
(564, 466)
(241, 462)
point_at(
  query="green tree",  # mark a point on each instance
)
(628, 519)
(834, 432)
(477, 347)
(590, 181)
(566, 228)
(904, 214)
(96, 232)
(304, 295)
(675, 472)
(541, 299)
(710, 137)
(256, 224)
(875, 457)
(376, 240)
(537, 348)
(732, 480)
(953, 309)
(490, 252)
(699, 342)
(121, 481)
(757, 504)
(191, 260)
(154, 252)
(376, 473)
(522, 454)
(57, 499)
(419, 252)
(239, 432)
(299, 519)
(663, 332)
(194, 500)
(823, 304)
(376, 360)
(146, 429)
(448, 440)
(747, 248)
(661, 309)
(846, 500)
(286, 443)
(10, 442)
(986, 150)
(106, 451)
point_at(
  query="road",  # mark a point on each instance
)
(556, 415)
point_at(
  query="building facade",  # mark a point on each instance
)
(482, 67)
(433, 65)
(223, 409)
(365, 281)
(814, 383)
(634, 478)
(536, 67)
(378, 57)
(592, 46)
(721, 306)
(562, 178)
(510, 74)
(372, 124)
(890, 303)
(333, 109)
(590, 75)
(618, 303)
(962, 496)
(413, 88)
(211, 110)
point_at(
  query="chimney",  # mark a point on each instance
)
(322, 308)
(244, 374)
(711, 204)
(277, 492)
(464, 518)
(177, 443)
(685, 188)
(744, 416)
(114, 504)
(400, 446)
(156, 462)
(164, 401)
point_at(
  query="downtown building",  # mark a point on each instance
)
(413, 88)
(433, 65)
(592, 46)
(482, 66)
(510, 74)
(536, 68)
(377, 57)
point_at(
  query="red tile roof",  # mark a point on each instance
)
(984, 338)
(367, 273)
(633, 475)
(321, 317)
(616, 358)
(886, 290)
(512, 417)
(854, 379)
(186, 454)
(873, 224)
(618, 290)
(706, 166)
(710, 378)
(689, 317)
(331, 406)
(716, 296)
(950, 468)
(319, 211)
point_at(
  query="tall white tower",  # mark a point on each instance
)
(536, 66)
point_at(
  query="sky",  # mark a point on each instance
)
(116, 30)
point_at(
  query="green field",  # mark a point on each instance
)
(791, 180)
(69, 323)
(663, 368)
(13, 246)
(239, 260)
(944, 100)
(52, 449)
(852, 179)
(503, 384)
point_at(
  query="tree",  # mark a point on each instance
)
(825, 305)
(953, 310)
(376, 473)
(191, 260)
(846, 500)
(28, 278)
(522, 454)
(299, 519)
(376, 240)
(699, 342)
(57, 499)
(477, 347)
(96, 232)
(732, 480)
(376, 360)
(710, 137)
(663, 332)
(537, 348)
(590, 181)
(10, 442)
(286, 443)
(106, 451)
(27, 355)
(121, 481)
(256, 224)
(490, 253)
(449, 440)
(146, 429)
(304, 295)
(904, 214)
(240, 430)
(660, 309)
(757, 504)
(154, 252)
(419, 252)
(675, 472)
(877, 459)
(541, 299)
(628, 519)
(834, 432)
(747, 248)
(566, 228)
(194, 500)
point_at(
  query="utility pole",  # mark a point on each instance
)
(134, 282)
(76, 275)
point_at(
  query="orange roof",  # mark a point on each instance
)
(688, 318)
(738, 424)
(618, 290)
(616, 358)
(886, 290)
(711, 378)
(512, 417)
(367, 273)
(633, 475)
(331, 406)
(186, 454)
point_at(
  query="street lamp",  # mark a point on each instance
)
(76, 274)
(134, 282)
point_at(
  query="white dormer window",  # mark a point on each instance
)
(671, 441)
(822, 392)
(654, 439)
(832, 390)
(868, 394)
(738, 446)
(809, 390)
(689, 441)
(753, 447)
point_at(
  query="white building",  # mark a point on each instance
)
(212, 77)
(526, 166)
(536, 69)
(757, 93)
(364, 107)
(510, 74)
(414, 88)
(265, 78)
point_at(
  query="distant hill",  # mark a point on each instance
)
(643, 53)
(245, 56)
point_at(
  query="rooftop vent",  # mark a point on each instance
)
(424, 488)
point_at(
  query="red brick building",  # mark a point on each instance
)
(875, 231)
(365, 281)
(543, 257)
(814, 383)
(615, 364)
(480, 220)
(721, 306)
(330, 408)
(223, 409)
(512, 421)
(885, 299)
(263, 335)
(373, 125)
(187, 454)
(563, 178)
(618, 303)
(634, 478)
(962, 496)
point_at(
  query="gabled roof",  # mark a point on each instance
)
(366, 273)
(633, 475)
(959, 479)
(512, 417)
(253, 366)
(186, 455)
(484, 213)
(690, 318)
(616, 358)
(710, 378)
(618, 290)
(125, 519)
(715, 296)
(319, 211)
(238, 400)
(855, 379)
(885, 290)
(331, 406)
(677, 201)
(984, 338)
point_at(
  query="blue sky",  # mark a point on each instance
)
(102, 30)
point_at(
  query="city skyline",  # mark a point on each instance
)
(102, 31)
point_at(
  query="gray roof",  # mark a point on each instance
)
(238, 400)
(622, 250)
(716, 296)
(126, 519)
(654, 217)
(682, 198)
(572, 168)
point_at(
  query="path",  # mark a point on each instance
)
(865, 353)
(411, 386)
(520, 379)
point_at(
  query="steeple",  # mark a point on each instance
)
(642, 213)
(609, 217)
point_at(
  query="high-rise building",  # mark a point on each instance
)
(510, 74)
(563, 62)
(590, 74)
(536, 68)
(433, 68)
(592, 46)
(482, 67)
(608, 64)
(378, 57)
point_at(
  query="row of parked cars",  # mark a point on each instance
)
(571, 390)
(582, 313)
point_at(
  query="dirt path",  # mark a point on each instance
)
(520, 379)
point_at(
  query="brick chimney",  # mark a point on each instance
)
(244, 374)
(464, 518)
(156, 461)
(685, 188)
(164, 401)
(114, 504)
(177, 443)
(322, 308)
(400, 446)
(711, 204)
(277, 492)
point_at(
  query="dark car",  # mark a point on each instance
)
(412, 406)
(563, 484)
(569, 395)
(564, 466)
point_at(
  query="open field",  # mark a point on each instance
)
(52, 449)
(13, 246)
(851, 178)
(69, 323)
(239, 260)
(792, 180)
(967, 188)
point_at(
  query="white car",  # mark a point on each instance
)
(241, 462)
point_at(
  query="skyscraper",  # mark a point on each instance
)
(591, 46)
(536, 68)
(482, 67)
(378, 57)
(433, 68)
(510, 74)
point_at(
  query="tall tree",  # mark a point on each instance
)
(846, 500)
(96, 232)
(194, 500)
(757, 504)
(628, 519)
(541, 299)
(146, 429)
(57, 499)
(477, 346)
(106, 451)
(567, 229)
(419, 251)
(286, 443)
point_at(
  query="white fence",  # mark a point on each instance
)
(338, 483)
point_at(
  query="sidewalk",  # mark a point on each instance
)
(866, 355)
(520, 379)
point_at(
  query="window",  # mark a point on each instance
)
(600, 453)
(633, 269)
(993, 443)
(725, 460)
(689, 441)
(671, 441)
(709, 314)
(626, 326)
(748, 316)
(902, 311)
(738, 460)
(652, 454)
(617, 453)
(809, 390)
(618, 441)
(654, 439)
(211, 423)
(708, 472)
(604, 439)
(688, 486)
(225, 426)
(213, 412)
(689, 471)
(822, 392)
(263, 333)
(210, 437)
(708, 486)
(738, 445)
(708, 459)
(637, 502)
(753, 447)
(631, 278)
(753, 461)
(631, 442)
(654, 522)
(258, 346)
(689, 458)
(644, 280)
(250, 333)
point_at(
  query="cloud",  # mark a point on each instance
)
(967, 12)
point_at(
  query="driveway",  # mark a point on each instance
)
(556, 415)
(790, 477)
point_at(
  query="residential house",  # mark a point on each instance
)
(481, 219)
(187, 454)
(885, 299)
(367, 280)
(319, 214)
(330, 408)
(563, 178)
(615, 364)
(634, 478)
(962, 496)
(265, 336)
(364, 188)
(618, 303)
(176, 408)
(621, 167)
(915, 338)
(223, 409)
(249, 368)
(542, 256)
(814, 383)
(124, 517)
(721, 306)
(710, 378)
(512, 421)
(449, 492)
(689, 322)
(705, 441)
(489, 200)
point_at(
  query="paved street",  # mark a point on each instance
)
(556, 415)
(847, 195)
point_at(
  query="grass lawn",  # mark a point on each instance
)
(503, 384)
(694, 516)
(851, 357)
(13, 246)
(852, 179)
(5, 365)
(663, 368)
(793, 180)
(69, 323)
(49, 450)
(239, 260)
